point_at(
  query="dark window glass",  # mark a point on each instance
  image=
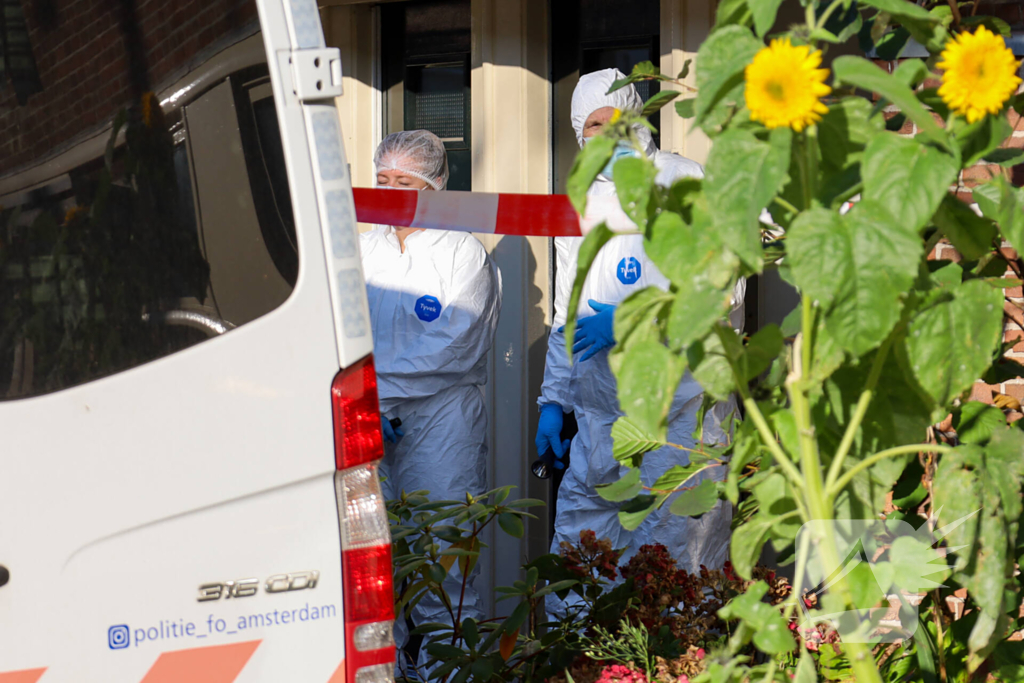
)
(152, 228)
(426, 52)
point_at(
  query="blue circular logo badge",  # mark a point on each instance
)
(628, 270)
(428, 308)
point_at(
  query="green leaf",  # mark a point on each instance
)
(1003, 157)
(482, 669)
(588, 164)
(686, 108)
(642, 71)
(907, 178)
(555, 587)
(720, 64)
(511, 524)
(633, 513)
(926, 28)
(863, 74)
(436, 572)
(637, 319)
(746, 543)
(732, 12)
(470, 633)
(700, 268)
(971, 234)
(659, 100)
(696, 501)
(805, 670)
(709, 366)
(634, 179)
(516, 619)
(976, 422)
(677, 475)
(629, 440)
(771, 635)
(742, 176)
(764, 12)
(979, 139)
(858, 266)
(625, 488)
(845, 131)
(763, 348)
(592, 244)
(951, 344)
(647, 383)
(1004, 204)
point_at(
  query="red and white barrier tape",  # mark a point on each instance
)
(498, 214)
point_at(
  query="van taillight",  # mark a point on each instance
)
(365, 536)
(357, 436)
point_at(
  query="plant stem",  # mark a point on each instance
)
(786, 205)
(798, 575)
(882, 455)
(851, 192)
(823, 19)
(807, 343)
(769, 438)
(763, 429)
(858, 414)
(940, 647)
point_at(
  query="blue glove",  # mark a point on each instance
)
(392, 434)
(594, 333)
(549, 433)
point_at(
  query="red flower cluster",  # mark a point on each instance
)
(656, 577)
(617, 673)
(591, 557)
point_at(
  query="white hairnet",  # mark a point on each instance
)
(591, 94)
(418, 153)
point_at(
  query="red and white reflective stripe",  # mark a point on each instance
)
(499, 214)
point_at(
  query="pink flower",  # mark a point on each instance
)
(683, 679)
(700, 654)
(617, 673)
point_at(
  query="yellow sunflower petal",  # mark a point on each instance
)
(784, 86)
(979, 74)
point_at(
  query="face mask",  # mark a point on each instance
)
(622, 150)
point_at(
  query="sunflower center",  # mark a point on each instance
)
(775, 90)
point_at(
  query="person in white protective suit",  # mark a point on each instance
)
(587, 386)
(434, 301)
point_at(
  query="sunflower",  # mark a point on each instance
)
(980, 74)
(784, 86)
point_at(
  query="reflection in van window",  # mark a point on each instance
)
(182, 231)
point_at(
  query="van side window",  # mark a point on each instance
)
(177, 230)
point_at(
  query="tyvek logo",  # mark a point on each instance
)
(428, 308)
(628, 271)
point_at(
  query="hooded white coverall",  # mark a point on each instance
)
(433, 310)
(588, 388)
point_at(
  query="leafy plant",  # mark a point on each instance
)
(644, 614)
(839, 400)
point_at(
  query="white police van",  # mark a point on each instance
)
(188, 410)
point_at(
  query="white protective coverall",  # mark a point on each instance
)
(433, 310)
(589, 388)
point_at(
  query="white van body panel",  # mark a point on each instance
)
(121, 497)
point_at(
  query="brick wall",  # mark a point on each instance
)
(1013, 329)
(95, 56)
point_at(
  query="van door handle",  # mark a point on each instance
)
(5, 575)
